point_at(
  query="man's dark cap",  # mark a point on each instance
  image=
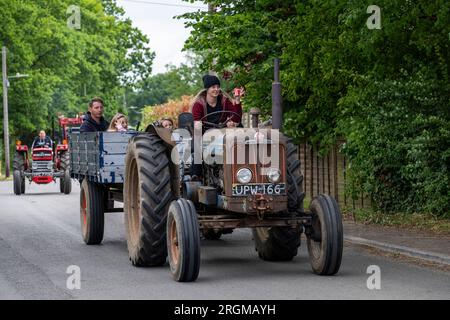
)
(209, 81)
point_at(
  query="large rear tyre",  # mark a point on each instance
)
(325, 236)
(147, 195)
(281, 243)
(17, 182)
(183, 241)
(277, 243)
(65, 183)
(92, 215)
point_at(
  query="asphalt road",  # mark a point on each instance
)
(40, 239)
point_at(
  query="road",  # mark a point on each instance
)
(40, 239)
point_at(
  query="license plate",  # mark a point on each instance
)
(263, 188)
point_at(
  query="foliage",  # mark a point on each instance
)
(170, 109)
(170, 85)
(401, 158)
(413, 221)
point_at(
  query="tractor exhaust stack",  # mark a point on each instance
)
(277, 105)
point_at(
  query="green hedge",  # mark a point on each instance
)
(398, 144)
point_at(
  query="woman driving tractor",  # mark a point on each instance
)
(213, 107)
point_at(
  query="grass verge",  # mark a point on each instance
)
(414, 221)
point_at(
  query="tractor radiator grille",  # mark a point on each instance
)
(42, 166)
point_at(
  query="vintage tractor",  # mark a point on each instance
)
(47, 164)
(166, 210)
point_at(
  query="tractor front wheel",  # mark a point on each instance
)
(65, 182)
(325, 235)
(183, 241)
(19, 178)
(17, 181)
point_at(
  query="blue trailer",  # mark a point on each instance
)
(99, 156)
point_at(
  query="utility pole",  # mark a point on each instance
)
(5, 108)
(5, 111)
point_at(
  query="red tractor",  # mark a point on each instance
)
(47, 163)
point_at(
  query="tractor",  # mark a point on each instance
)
(166, 211)
(47, 163)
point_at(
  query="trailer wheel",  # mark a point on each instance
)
(92, 215)
(17, 182)
(65, 183)
(325, 236)
(281, 243)
(147, 196)
(183, 241)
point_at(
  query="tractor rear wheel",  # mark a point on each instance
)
(65, 182)
(92, 216)
(183, 240)
(325, 236)
(281, 243)
(147, 195)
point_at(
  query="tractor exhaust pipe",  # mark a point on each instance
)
(277, 104)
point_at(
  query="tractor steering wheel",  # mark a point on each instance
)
(221, 124)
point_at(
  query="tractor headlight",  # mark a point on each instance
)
(274, 175)
(244, 175)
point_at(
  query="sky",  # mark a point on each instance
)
(167, 35)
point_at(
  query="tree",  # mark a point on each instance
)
(173, 84)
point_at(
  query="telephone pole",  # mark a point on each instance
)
(5, 108)
(5, 111)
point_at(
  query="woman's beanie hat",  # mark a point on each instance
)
(209, 81)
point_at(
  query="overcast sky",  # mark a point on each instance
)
(155, 19)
